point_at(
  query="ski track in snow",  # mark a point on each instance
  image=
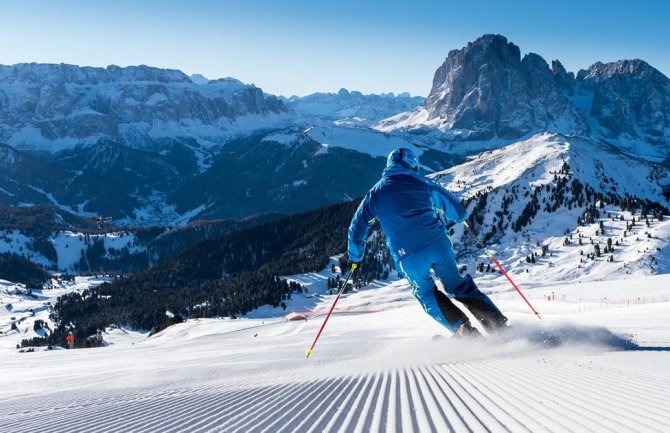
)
(496, 395)
(372, 372)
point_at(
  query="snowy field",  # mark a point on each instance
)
(377, 368)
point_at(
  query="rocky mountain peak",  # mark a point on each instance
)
(564, 79)
(486, 90)
(488, 50)
(631, 102)
(632, 68)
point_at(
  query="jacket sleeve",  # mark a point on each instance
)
(359, 230)
(448, 203)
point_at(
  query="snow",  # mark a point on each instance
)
(362, 140)
(406, 119)
(56, 203)
(69, 246)
(284, 138)
(211, 135)
(156, 99)
(534, 162)
(17, 306)
(376, 368)
(31, 138)
(545, 154)
(323, 150)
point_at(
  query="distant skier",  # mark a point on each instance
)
(70, 340)
(411, 210)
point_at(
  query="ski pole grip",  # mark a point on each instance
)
(465, 223)
(353, 267)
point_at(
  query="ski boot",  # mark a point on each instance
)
(466, 330)
(484, 310)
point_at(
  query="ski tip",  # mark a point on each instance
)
(309, 352)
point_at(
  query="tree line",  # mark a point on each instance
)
(225, 276)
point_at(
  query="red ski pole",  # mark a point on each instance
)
(497, 263)
(310, 352)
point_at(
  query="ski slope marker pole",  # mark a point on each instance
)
(310, 352)
(497, 263)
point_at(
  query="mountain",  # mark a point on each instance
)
(48, 107)
(26, 179)
(226, 275)
(108, 178)
(486, 91)
(630, 104)
(154, 146)
(149, 146)
(556, 207)
(116, 180)
(351, 108)
(284, 171)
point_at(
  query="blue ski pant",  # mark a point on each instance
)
(439, 257)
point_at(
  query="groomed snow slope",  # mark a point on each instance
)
(377, 368)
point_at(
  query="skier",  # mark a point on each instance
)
(411, 210)
(70, 340)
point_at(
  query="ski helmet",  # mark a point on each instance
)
(404, 157)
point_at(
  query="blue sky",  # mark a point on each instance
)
(298, 47)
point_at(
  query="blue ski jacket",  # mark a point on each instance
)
(408, 207)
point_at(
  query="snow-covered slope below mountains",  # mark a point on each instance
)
(376, 369)
(359, 139)
(538, 160)
(558, 208)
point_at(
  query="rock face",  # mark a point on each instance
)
(62, 106)
(630, 98)
(486, 90)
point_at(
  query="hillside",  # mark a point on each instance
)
(552, 209)
(553, 199)
(225, 276)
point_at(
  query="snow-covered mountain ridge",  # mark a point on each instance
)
(48, 107)
(135, 143)
(539, 159)
(353, 108)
